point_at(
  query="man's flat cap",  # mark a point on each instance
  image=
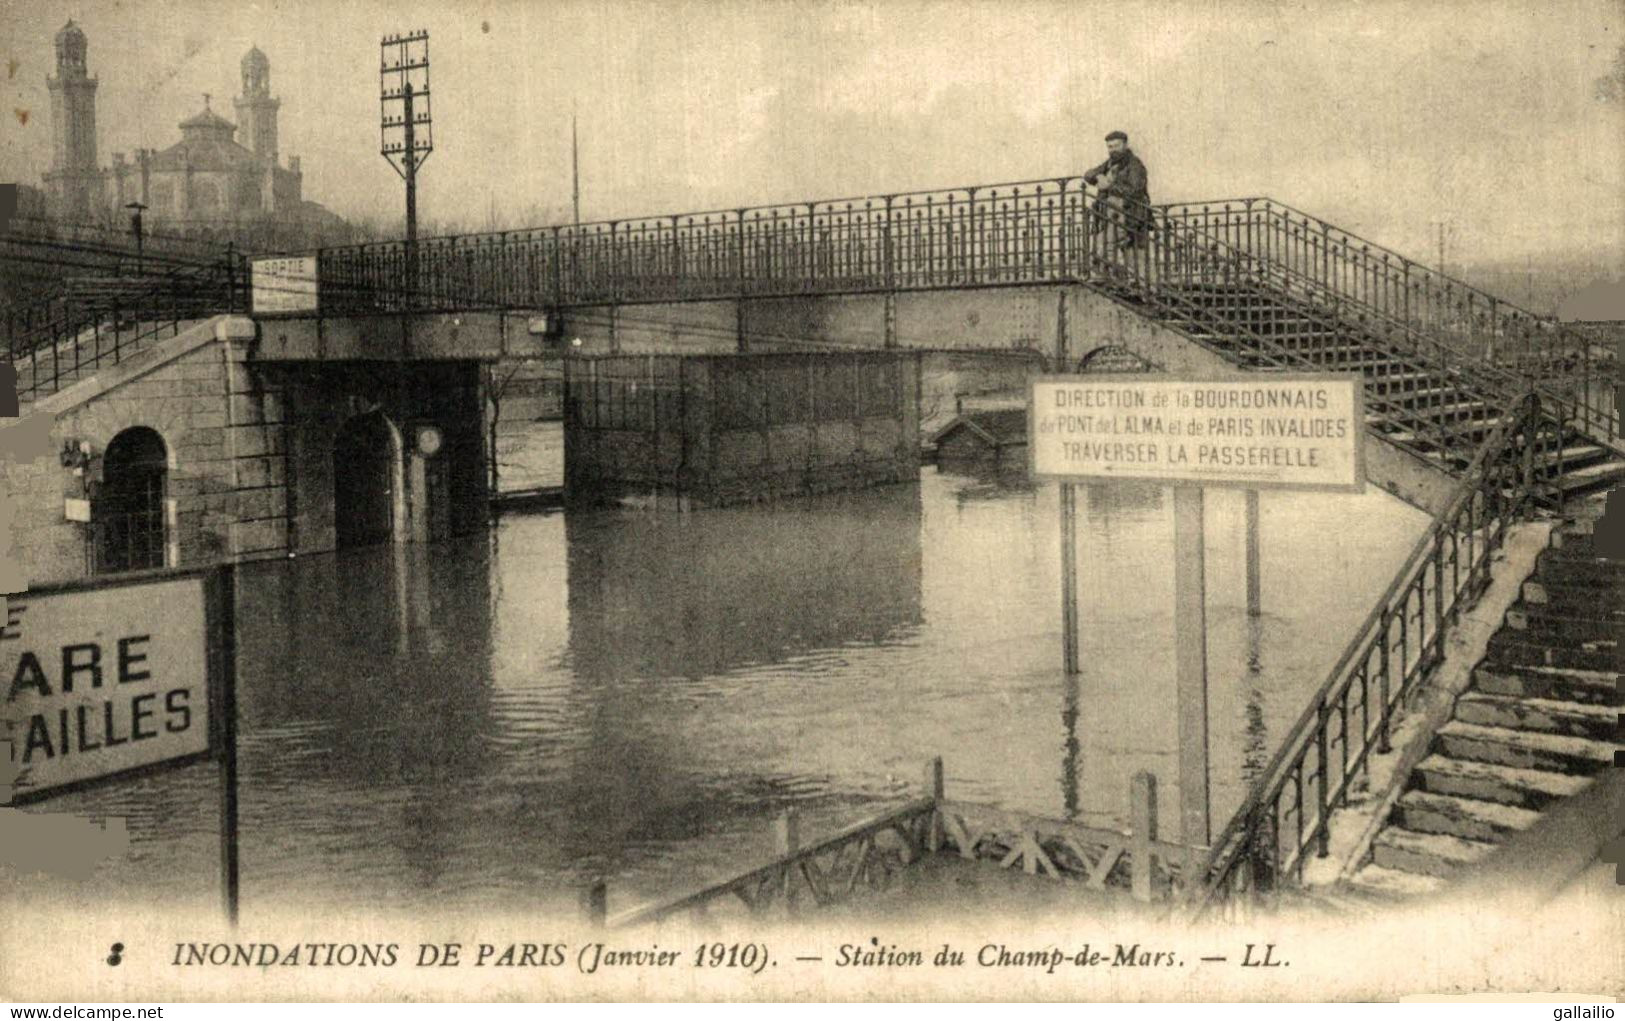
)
(1116, 134)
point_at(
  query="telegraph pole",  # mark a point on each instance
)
(575, 169)
(406, 132)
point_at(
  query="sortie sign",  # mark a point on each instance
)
(283, 285)
(105, 680)
(1258, 432)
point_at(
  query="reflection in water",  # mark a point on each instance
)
(1257, 753)
(1070, 699)
(668, 595)
(490, 723)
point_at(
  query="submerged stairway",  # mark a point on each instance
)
(1541, 718)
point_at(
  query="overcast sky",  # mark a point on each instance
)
(1383, 117)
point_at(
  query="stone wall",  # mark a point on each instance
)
(726, 429)
(178, 389)
(249, 446)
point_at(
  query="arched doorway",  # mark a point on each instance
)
(367, 484)
(129, 515)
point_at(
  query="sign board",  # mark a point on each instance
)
(283, 285)
(107, 678)
(1257, 432)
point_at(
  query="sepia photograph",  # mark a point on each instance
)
(810, 501)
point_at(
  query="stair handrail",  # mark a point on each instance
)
(1487, 375)
(1494, 491)
(1154, 264)
(161, 302)
(1326, 226)
(1411, 292)
(1172, 246)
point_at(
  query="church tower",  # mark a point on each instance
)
(74, 181)
(256, 110)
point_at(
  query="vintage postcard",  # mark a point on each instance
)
(802, 501)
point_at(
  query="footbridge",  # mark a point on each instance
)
(1023, 268)
(249, 388)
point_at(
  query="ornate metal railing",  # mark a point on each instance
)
(55, 341)
(1028, 232)
(1489, 331)
(1009, 233)
(1285, 817)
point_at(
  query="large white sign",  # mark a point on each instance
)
(284, 284)
(104, 680)
(1261, 431)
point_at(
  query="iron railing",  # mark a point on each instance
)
(57, 340)
(1565, 363)
(1285, 817)
(1030, 232)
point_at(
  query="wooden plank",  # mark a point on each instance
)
(856, 832)
(1029, 844)
(815, 880)
(858, 865)
(1016, 821)
(956, 829)
(1088, 863)
(1036, 854)
(1103, 868)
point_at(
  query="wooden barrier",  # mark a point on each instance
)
(865, 856)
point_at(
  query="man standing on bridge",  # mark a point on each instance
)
(1123, 211)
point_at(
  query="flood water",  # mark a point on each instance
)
(494, 721)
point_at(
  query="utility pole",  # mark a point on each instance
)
(1441, 248)
(575, 168)
(406, 132)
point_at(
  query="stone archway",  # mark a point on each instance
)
(369, 492)
(129, 515)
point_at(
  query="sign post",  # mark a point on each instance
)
(1255, 599)
(1252, 431)
(1069, 576)
(1190, 664)
(114, 678)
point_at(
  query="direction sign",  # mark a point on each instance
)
(1258, 432)
(104, 679)
(283, 285)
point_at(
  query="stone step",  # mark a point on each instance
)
(1377, 883)
(1571, 539)
(1509, 648)
(1594, 687)
(1469, 818)
(1521, 649)
(1487, 781)
(1428, 854)
(1598, 597)
(1556, 562)
(1547, 716)
(1589, 479)
(1560, 753)
(1572, 457)
(1564, 625)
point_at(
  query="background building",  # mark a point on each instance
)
(208, 182)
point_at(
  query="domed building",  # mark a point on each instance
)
(208, 181)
